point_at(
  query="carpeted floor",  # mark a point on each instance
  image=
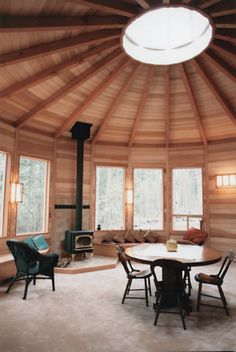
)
(85, 314)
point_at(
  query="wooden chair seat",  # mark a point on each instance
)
(208, 279)
(216, 280)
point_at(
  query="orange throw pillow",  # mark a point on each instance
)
(196, 236)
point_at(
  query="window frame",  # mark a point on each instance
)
(6, 195)
(108, 165)
(187, 216)
(163, 193)
(46, 200)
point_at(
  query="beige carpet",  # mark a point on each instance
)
(85, 314)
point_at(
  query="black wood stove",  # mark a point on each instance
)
(78, 240)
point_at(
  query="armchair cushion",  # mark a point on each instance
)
(40, 242)
(30, 242)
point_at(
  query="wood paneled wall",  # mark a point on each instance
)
(217, 158)
(222, 202)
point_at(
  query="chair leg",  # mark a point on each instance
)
(149, 286)
(181, 312)
(127, 289)
(146, 291)
(12, 283)
(199, 296)
(53, 282)
(158, 308)
(189, 283)
(34, 282)
(27, 282)
(223, 300)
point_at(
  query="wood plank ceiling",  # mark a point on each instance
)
(61, 61)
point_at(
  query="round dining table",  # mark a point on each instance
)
(189, 255)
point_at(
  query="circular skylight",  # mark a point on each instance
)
(167, 35)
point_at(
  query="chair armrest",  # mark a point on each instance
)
(47, 258)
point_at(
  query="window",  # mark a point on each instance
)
(32, 215)
(148, 199)
(3, 172)
(187, 198)
(110, 197)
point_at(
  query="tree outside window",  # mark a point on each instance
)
(109, 197)
(148, 199)
(187, 198)
(32, 214)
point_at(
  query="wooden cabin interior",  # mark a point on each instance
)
(62, 62)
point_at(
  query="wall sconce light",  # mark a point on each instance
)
(129, 196)
(226, 181)
(17, 192)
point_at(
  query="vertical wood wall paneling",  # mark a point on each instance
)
(8, 145)
(222, 202)
(167, 196)
(52, 198)
(206, 194)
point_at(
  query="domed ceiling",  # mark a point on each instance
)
(61, 61)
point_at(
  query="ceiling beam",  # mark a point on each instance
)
(220, 64)
(208, 3)
(193, 103)
(83, 77)
(55, 69)
(141, 104)
(58, 45)
(74, 116)
(167, 106)
(226, 21)
(223, 47)
(54, 23)
(144, 4)
(215, 91)
(225, 38)
(114, 7)
(223, 13)
(225, 25)
(116, 102)
(222, 8)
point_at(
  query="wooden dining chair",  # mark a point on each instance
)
(215, 280)
(170, 292)
(133, 274)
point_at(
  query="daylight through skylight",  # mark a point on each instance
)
(167, 35)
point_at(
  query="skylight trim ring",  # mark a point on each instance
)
(170, 55)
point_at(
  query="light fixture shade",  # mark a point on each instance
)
(167, 35)
(226, 181)
(129, 196)
(16, 192)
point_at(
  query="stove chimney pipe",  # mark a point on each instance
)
(81, 132)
